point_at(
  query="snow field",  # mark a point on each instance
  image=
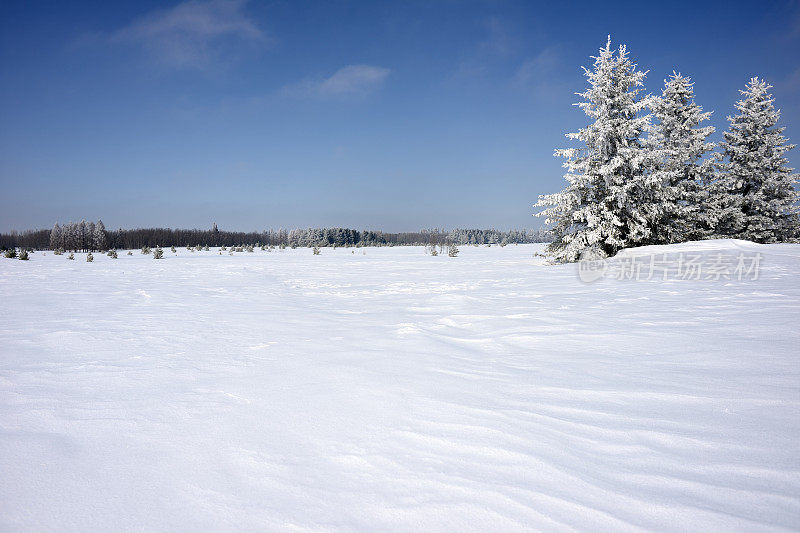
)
(393, 390)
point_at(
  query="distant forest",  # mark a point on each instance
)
(91, 236)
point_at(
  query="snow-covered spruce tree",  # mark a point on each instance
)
(681, 169)
(754, 194)
(68, 236)
(99, 238)
(90, 236)
(609, 202)
(83, 236)
(56, 237)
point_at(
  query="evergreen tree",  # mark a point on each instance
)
(83, 236)
(99, 236)
(680, 169)
(608, 203)
(56, 237)
(755, 197)
(90, 227)
(71, 237)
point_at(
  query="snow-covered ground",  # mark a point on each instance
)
(390, 390)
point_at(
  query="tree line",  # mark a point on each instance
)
(93, 237)
(646, 173)
(79, 236)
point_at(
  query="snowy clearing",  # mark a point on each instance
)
(392, 390)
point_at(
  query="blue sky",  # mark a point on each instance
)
(390, 115)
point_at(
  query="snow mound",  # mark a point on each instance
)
(709, 246)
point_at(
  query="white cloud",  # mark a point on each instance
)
(185, 35)
(350, 80)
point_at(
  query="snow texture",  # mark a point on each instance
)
(390, 390)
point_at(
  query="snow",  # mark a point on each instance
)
(390, 390)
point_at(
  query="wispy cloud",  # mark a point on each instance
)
(791, 83)
(794, 19)
(541, 77)
(497, 45)
(533, 70)
(348, 81)
(498, 40)
(188, 35)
